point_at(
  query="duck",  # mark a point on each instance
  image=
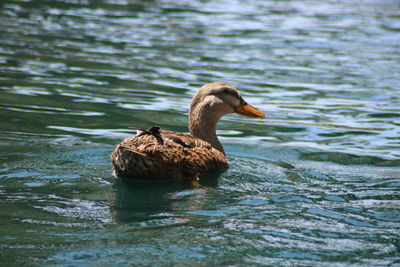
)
(156, 154)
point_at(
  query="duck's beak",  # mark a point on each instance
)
(248, 110)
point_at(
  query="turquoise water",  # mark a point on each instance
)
(315, 183)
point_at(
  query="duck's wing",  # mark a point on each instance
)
(160, 154)
(185, 140)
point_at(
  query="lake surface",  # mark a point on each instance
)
(315, 183)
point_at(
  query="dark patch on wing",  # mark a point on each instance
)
(185, 140)
(154, 131)
(179, 141)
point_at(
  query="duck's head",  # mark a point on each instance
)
(220, 98)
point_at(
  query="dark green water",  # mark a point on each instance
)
(315, 183)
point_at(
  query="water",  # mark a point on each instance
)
(314, 183)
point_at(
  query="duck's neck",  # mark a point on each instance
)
(203, 125)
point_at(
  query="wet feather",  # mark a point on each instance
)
(166, 155)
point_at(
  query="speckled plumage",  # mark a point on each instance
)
(160, 154)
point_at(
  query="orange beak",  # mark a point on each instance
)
(249, 111)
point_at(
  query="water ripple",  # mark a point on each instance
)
(315, 183)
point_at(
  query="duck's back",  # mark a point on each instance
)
(159, 154)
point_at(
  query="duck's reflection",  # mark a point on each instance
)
(141, 200)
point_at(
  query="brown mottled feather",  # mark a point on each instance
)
(160, 154)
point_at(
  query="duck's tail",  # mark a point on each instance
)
(125, 159)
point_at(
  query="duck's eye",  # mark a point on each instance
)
(230, 92)
(226, 91)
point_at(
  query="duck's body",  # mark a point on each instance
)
(160, 154)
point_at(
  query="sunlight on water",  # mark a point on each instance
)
(314, 183)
